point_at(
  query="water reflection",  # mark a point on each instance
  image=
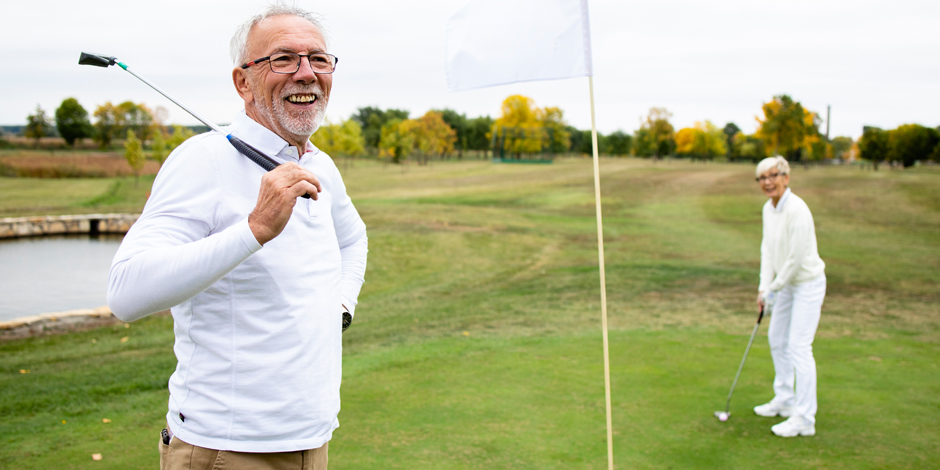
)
(53, 274)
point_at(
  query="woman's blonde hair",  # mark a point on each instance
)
(779, 162)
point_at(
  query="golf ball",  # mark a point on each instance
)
(722, 417)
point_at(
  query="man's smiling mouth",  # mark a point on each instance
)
(302, 99)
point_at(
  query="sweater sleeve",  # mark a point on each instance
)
(173, 251)
(798, 232)
(353, 243)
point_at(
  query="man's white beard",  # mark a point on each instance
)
(301, 124)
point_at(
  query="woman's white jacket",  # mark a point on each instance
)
(788, 248)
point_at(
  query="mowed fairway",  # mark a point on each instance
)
(477, 339)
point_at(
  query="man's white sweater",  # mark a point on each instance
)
(258, 329)
(788, 249)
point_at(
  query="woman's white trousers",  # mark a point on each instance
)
(793, 324)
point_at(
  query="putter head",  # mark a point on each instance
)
(722, 415)
(97, 60)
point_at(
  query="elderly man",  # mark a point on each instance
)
(258, 280)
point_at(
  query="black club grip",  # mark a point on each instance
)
(255, 155)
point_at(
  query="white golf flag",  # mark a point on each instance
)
(497, 42)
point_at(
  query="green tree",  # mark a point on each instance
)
(373, 119)
(37, 125)
(552, 120)
(134, 154)
(479, 130)
(158, 146)
(748, 147)
(180, 134)
(643, 143)
(841, 146)
(136, 117)
(910, 143)
(731, 129)
(618, 143)
(873, 145)
(395, 141)
(787, 128)
(107, 126)
(659, 135)
(71, 119)
(581, 141)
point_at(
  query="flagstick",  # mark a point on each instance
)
(600, 258)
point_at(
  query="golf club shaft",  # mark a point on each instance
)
(743, 359)
(740, 368)
(167, 96)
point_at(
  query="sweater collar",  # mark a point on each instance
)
(782, 201)
(265, 140)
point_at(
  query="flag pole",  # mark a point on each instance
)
(600, 258)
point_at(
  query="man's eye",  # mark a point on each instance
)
(282, 59)
(319, 59)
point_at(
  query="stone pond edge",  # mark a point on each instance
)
(93, 224)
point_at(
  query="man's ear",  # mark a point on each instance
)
(240, 79)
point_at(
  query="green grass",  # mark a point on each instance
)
(477, 340)
(20, 197)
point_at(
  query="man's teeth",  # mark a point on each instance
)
(301, 98)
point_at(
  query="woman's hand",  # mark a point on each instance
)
(760, 301)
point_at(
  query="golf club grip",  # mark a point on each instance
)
(252, 153)
(255, 155)
(760, 316)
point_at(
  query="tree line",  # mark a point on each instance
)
(788, 129)
(785, 128)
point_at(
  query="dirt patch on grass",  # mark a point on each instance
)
(71, 165)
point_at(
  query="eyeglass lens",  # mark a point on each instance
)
(290, 63)
(769, 177)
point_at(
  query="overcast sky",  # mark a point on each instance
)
(875, 62)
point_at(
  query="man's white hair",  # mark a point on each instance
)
(773, 162)
(239, 44)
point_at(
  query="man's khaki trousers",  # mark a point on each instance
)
(182, 456)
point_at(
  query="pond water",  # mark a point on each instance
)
(54, 274)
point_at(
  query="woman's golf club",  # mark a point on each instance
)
(252, 153)
(724, 415)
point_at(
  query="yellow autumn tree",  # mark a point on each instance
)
(396, 140)
(433, 137)
(134, 154)
(703, 140)
(523, 127)
(788, 128)
(342, 138)
(656, 135)
(425, 137)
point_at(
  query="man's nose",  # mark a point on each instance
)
(305, 73)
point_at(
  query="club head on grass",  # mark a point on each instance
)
(722, 415)
(97, 60)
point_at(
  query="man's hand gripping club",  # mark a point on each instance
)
(279, 191)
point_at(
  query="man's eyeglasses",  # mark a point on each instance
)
(769, 177)
(288, 62)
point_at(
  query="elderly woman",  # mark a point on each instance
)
(792, 286)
